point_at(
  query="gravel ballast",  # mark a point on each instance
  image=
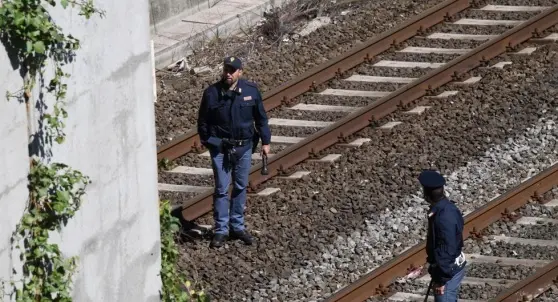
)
(351, 216)
(503, 276)
(550, 295)
(352, 23)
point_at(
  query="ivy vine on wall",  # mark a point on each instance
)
(33, 40)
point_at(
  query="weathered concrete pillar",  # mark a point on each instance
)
(110, 138)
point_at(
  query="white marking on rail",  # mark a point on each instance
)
(286, 139)
(485, 22)
(550, 38)
(357, 142)
(526, 51)
(330, 158)
(446, 94)
(400, 296)
(327, 108)
(418, 110)
(513, 8)
(362, 93)
(407, 64)
(476, 281)
(389, 125)
(296, 175)
(377, 79)
(470, 80)
(524, 241)
(202, 228)
(182, 188)
(482, 259)
(297, 123)
(412, 49)
(268, 191)
(551, 204)
(501, 64)
(553, 37)
(527, 220)
(192, 170)
(448, 36)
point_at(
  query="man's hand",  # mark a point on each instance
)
(265, 149)
(439, 289)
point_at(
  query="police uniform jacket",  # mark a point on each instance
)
(444, 241)
(232, 114)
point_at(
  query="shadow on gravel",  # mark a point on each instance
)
(189, 230)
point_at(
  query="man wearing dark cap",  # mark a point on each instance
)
(228, 112)
(444, 240)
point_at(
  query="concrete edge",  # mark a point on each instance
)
(196, 7)
(171, 54)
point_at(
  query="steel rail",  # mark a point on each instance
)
(377, 281)
(368, 115)
(534, 285)
(330, 69)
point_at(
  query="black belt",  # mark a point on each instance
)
(236, 142)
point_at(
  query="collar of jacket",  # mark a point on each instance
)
(237, 89)
(438, 206)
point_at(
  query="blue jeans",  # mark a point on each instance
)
(451, 290)
(222, 171)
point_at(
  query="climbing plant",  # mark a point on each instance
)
(175, 286)
(33, 40)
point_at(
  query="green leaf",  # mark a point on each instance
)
(64, 3)
(29, 45)
(39, 47)
(19, 18)
(28, 219)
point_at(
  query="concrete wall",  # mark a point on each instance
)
(111, 138)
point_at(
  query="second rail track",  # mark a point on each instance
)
(377, 281)
(368, 115)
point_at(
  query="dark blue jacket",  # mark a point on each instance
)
(444, 241)
(221, 116)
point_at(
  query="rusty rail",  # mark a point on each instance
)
(534, 285)
(328, 70)
(363, 118)
(378, 280)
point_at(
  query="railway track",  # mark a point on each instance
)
(346, 217)
(511, 252)
(394, 76)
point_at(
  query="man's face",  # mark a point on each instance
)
(426, 196)
(231, 75)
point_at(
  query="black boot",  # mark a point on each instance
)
(218, 240)
(244, 236)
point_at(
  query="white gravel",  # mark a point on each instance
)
(390, 233)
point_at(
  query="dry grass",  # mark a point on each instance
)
(278, 26)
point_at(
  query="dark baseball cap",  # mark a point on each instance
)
(234, 62)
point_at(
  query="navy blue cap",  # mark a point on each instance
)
(234, 62)
(431, 179)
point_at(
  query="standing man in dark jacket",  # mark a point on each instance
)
(228, 112)
(444, 240)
